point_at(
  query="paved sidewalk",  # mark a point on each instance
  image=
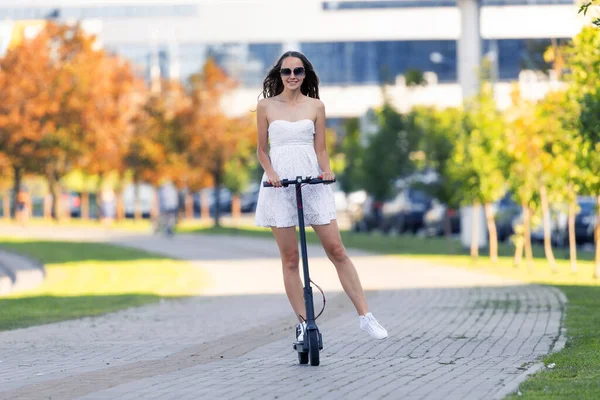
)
(18, 273)
(454, 334)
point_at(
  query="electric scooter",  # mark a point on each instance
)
(308, 349)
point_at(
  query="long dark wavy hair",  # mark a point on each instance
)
(273, 85)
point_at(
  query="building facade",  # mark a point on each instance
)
(355, 46)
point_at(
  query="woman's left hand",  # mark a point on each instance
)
(328, 176)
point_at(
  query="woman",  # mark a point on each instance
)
(291, 119)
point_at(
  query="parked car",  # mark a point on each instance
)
(249, 198)
(506, 211)
(224, 200)
(434, 219)
(559, 230)
(405, 211)
(368, 216)
(585, 220)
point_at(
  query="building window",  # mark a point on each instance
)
(360, 63)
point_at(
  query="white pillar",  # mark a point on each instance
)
(290, 46)
(469, 47)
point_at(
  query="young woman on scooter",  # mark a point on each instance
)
(291, 142)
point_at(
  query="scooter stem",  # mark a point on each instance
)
(308, 296)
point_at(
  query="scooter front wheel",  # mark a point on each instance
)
(313, 347)
(302, 357)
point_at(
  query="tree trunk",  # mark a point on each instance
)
(448, 229)
(475, 232)
(98, 198)
(119, 203)
(218, 178)
(16, 190)
(519, 241)
(56, 200)
(547, 227)
(189, 206)
(85, 206)
(48, 207)
(6, 205)
(597, 237)
(527, 234)
(572, 239)
(204, 208)
(154, 208)
(236, 208)
(137, 207)
(493, 234)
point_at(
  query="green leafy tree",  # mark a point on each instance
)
(439, 131)
(585, 7)
(387, 155)
(524, 168)
(353, 152)
(478, 161)
(583, 61)
(561, 178)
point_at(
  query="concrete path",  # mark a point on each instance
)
(18, 273)
(454, 334)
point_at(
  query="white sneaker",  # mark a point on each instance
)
(300, 329)
(369, 324)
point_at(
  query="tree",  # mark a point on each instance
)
(108, 145)
(216, 137)
(353, 151)
(154, 150)
(439, 131)
(583, 61)
(27, 104)
(57, 106)
(394, 141)
(585, 8)
(561, 160)
(524, 167)
(477, 161)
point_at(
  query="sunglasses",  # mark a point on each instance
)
(298, 71)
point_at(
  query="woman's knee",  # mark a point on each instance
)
(337, 253)
(290, 259)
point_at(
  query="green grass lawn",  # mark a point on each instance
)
(86, 279)
(142, 225)
(577, 371)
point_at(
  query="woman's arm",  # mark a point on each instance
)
(262, 150)
(320, 143)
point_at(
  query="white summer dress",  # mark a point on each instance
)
(292, 154)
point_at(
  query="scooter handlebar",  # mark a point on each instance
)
(308, 180)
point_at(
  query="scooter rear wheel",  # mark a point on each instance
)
(313, 347)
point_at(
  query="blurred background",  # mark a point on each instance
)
(465, 118)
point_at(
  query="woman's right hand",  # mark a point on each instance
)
(273, 179)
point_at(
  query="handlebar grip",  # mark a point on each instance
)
(321, 180)
(284, 182)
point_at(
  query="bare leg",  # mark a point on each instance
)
(288, 249)
(330, 238)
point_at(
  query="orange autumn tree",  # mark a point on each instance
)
(50, 96)
(158, 146)
(109, 142)
(28, 106)
(217, 137)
